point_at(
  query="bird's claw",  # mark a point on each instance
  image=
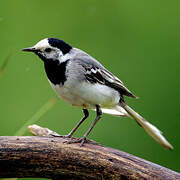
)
(79, 140)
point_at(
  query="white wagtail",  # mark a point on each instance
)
(82, 81)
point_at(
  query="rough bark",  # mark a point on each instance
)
(50, 157)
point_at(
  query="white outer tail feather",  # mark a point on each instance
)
(116, 111)
(149, 128)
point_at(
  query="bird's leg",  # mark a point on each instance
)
(98, 116)
(86, 114)
(83, 139)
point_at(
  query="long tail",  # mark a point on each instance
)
(149, 128)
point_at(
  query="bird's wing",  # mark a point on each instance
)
(95, 72)
(103, 76)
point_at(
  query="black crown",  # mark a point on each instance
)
(63, 46)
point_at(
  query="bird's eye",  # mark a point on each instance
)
(48, 50)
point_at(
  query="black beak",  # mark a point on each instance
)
(30, 49)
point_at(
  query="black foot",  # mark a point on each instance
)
(79, 140)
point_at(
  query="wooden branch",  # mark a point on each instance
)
(49, 157)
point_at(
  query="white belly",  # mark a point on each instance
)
(88, 95)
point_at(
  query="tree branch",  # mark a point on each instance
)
(50, 157)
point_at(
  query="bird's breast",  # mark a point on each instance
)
(87, 95)
(56, 72)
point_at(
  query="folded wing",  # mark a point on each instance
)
(103, 76)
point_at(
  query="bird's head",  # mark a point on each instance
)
(50, 49)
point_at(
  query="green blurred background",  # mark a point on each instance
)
(137, 40)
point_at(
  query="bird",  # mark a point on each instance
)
(84, 82)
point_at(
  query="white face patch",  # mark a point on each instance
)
(53, 52)
(42, 44)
